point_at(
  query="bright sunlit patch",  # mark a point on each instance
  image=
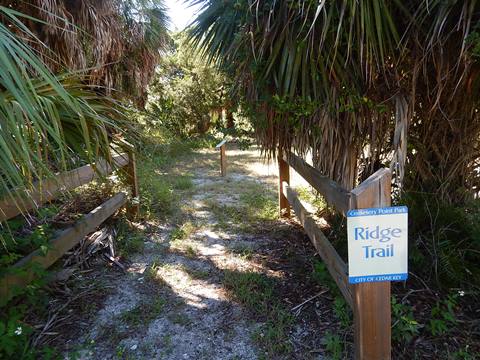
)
(181, 13)
(209, 234)
(195, 293)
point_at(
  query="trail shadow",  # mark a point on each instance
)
(196, 321)
(201, 316)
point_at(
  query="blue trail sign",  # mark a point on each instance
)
(377, 244)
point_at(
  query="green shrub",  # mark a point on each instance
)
(254, 290)
(322, 277)
(404, 327)
(187, 94)
(182, 183)
(333, 345)
(15, 333)
(258, 205)
(342, 312)
(444, 244)
(308, 194)
(129, 239)
(160, 186)
(182, 232)
(442, 317)
(19, 240)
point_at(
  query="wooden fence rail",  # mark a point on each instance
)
(370, 302)
(336, 266)
(334, 194)
(66, 240)
(21, 201)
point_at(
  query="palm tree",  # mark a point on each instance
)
(52, 121)
(349, 80)
(116, 42)
(46, 121)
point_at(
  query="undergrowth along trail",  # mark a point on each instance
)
(212, 273)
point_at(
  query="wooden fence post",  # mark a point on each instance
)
(134, 208)
(371, 301)
(223, 157)
(223, 160)
(283, 175)
(131, 171)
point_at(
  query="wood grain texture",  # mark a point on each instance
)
(334, 194)
(283, 177)
(58, 246)
(372, 308)
(374, 191)
(336, 266)
(223, 160)
(21, 201)
(372, 321)
(132, 179)
(133, 208)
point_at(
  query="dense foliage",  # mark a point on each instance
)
(48, 122)
(447, 237)
(117, 43)
(187, 95)
(59, 61)
(366, 84)
(353, 81)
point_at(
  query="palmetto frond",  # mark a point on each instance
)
(47, 123)
(119, 41)
(346, 79)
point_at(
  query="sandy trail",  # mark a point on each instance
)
(171, 304)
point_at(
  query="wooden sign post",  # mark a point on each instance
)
(283, 176)
(223, 157)
(370, 301)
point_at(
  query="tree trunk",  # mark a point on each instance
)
(230, 120)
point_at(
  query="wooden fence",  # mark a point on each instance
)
(370, 302)
(22, 201)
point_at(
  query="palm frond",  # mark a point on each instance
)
(48, 123)
(119, 41)
(346, 80)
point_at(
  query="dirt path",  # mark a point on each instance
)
(203, 289)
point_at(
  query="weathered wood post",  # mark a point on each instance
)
(131, 171)
(283, 175)
(371, 301)
(223, 157)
